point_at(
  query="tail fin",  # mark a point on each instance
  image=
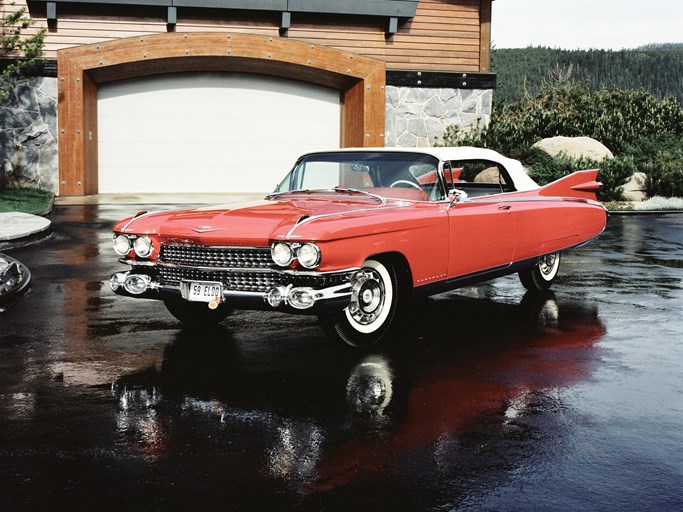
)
(580, 184)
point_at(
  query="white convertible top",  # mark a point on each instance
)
(521, 180)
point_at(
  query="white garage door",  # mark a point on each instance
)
(209, 132)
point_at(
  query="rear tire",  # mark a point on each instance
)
(196, 314)
(372, 316)
(541, 277)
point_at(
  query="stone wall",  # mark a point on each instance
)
(28, 135)
(418, 117)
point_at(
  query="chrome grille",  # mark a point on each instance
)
(245, 281)
(224, 257)
(237, 281)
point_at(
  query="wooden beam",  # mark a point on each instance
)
(360, 81)
(485, 37)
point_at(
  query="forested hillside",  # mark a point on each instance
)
(657, 69)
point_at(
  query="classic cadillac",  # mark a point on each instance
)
(353, 235)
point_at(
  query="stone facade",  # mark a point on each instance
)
(418, 117)
(28, 135)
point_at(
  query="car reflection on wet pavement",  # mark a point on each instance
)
(495, 400)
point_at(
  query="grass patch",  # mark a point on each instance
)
(654, 204)
(26, 200)
(658, 203)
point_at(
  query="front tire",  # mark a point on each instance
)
(196, 314)
(541, 277)
(372, 316)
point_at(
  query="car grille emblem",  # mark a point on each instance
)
(204, 229)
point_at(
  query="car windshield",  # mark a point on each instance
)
(393, 175)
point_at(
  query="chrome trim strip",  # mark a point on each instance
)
(335, 214)
(305, 273)
(221, 247)
(312, 273)
(498, 198)
(124, 228)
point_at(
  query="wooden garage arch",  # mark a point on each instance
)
(360, 80)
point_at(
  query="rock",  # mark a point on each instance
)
(575, 147)
(634, 189)
(488, 175)
(28, 136)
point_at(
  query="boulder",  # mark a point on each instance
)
(575, 147)
(634, 189)
(488, 175)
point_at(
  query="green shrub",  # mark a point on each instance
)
(645, 149)
(614, 117)
(614, 173)
(542, 167)
(665, 174)
(645, 133)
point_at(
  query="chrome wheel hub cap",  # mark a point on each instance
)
(367, 297)
(547, 264)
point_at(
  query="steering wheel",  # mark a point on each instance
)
(405, 182)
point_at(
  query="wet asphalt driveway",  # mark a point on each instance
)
(496, 401)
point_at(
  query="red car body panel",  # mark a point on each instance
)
(439, 232)
(438, 240)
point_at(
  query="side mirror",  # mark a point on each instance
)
(456, 195)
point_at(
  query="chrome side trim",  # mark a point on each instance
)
(124, 228)
(339, 214)
(500, 198)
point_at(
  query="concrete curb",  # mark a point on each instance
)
(644, 212)
(17, 229)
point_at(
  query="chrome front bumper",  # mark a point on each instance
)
(139, 285)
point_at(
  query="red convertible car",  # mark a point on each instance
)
(352, 235)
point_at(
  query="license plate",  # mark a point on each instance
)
(202, 291)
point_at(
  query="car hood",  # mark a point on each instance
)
(253, 223)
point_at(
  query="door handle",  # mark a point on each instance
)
(504, 207)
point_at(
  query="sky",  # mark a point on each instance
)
(585, 24)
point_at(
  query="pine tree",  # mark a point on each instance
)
(17, 50)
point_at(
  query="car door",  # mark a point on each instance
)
(481, 236)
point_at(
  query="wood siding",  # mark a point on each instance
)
(444, 35)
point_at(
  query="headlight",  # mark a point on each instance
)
(121, 245)
(136, 284)
(282, 254)
(309, 255)
(143, 246)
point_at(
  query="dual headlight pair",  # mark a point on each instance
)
(283, 253)
(142, 245)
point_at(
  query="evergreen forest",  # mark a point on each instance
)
(657, 69)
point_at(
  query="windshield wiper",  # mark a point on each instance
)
(338, 189)
(341, 189)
